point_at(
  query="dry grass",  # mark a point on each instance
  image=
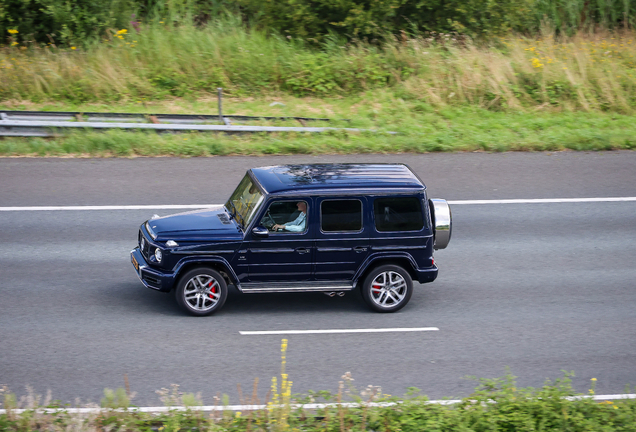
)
(586, 72)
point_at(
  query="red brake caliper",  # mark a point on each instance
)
(377, 287)
(212, 290)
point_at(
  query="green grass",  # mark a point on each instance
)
(420, 126)
(495, 405)
(586, 72)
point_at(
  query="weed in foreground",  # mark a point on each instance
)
(496, 404)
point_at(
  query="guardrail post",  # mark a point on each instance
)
(220, 99)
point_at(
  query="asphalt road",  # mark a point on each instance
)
(538, 288)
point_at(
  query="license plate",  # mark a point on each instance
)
(135, 263)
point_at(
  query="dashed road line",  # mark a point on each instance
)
(542, 200)
(331, 331)
(112, 207)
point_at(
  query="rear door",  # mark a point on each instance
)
(342, 243)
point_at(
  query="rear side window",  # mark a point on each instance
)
(398, 214)
(341, 215)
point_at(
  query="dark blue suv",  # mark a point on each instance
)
(299, 228)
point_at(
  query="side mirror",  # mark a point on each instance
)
(260, 231)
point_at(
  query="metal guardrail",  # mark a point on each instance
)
(46, 124)
(139, 118)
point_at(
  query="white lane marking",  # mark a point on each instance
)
(164, 409)
(201, 206)
(380, 330)
(542, 200)
(124, 207)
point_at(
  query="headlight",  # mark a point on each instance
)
(158, 254)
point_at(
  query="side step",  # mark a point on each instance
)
(280, 287)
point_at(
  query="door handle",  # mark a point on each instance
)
(360, 249)
(302, 250)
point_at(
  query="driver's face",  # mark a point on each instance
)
(302, 206)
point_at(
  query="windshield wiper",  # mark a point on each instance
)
(233, 211)
(242, 221)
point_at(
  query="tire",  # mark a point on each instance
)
(201, 291)
(387, 288)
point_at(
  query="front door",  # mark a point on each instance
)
(286, 254)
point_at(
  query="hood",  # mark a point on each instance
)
(211, 223)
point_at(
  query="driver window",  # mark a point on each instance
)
(286, 217)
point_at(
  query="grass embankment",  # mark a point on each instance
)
(440, 94)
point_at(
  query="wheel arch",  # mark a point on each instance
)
(403, 260)
(216, 263)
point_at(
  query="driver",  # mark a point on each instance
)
(298, 224)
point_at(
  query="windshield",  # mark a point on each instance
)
(244, 201)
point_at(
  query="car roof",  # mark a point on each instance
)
(330, 178)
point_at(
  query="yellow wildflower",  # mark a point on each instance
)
(12, 31)
(73, 48)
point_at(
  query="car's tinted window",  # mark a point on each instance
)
(398, 214)
(341, 215)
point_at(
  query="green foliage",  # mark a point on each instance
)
(573, 15)
(63, 21)
(364, 19)
(81, 22)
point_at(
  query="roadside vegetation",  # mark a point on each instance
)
(420, 128)
(495, 405)
(584, 72)
(525, 75)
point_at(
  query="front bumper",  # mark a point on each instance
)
(150, 277)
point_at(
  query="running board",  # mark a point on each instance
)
(281, 287)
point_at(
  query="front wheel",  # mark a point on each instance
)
(201, 291)
(387, 288)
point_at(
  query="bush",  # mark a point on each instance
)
(82, 21)
(62, 21)
(366, 19)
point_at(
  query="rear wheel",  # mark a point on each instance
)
(387, 288)
(201, 291)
